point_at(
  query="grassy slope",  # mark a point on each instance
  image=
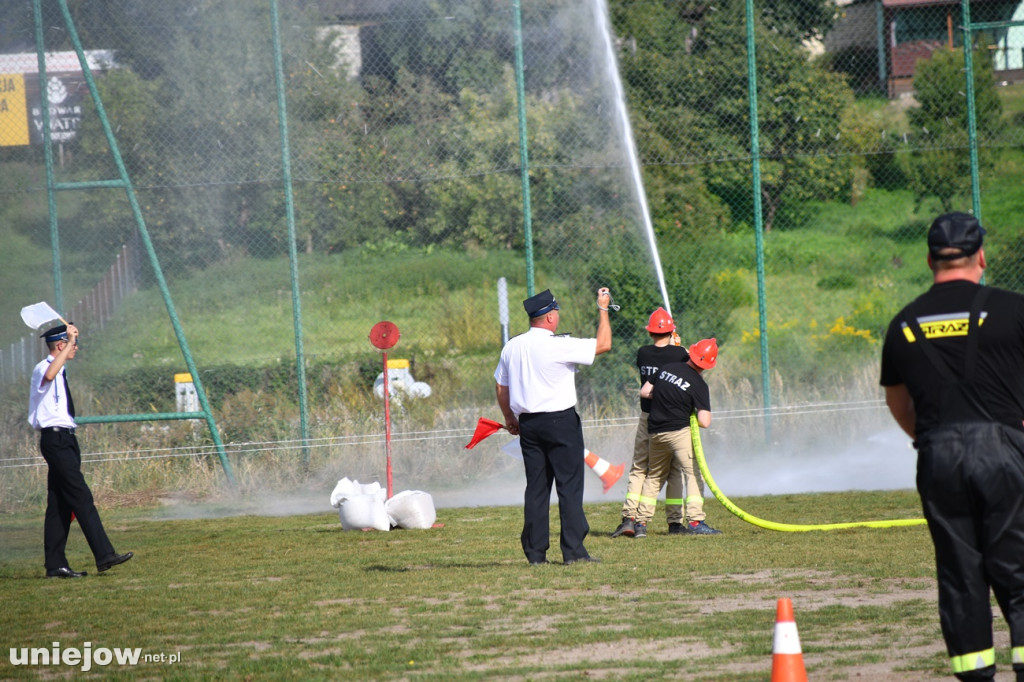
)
(342, 298)
(25, 259)
(240, 311)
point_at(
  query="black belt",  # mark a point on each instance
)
(530, 415)
(59, 429)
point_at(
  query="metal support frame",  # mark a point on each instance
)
(972, 120)
(123, 181)
(755, 173)
(293, 258)
(524, 154)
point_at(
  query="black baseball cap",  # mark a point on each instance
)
(955, 231)
(540, 304)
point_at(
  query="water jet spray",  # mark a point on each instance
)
(603, 27)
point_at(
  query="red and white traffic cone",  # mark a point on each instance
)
(787, 659)
(608, 472)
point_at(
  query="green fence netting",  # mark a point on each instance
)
(405, 198)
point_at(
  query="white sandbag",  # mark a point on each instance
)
(344, 489)
(347, 488)
(364, 511)
(360, 505)
(411, 509)
(372, 489)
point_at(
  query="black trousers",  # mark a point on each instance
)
(67, 493)
(552, 445)
(971, 480)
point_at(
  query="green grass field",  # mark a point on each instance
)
(296, 597)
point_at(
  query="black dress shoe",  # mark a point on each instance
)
(591, 559)
(539, 563)
(65, 572)
(112, 561)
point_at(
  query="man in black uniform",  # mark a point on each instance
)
(535, 385)
(51, 412)
(953, 372)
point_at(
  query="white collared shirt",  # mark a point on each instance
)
(540, 368)
(47, 400)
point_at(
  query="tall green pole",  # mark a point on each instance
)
(880, 45)
(289, 203)
(755, 172)
(51, 191)
(524, 156)
(125, 182)
(972, 120)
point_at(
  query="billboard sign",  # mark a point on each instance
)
(21, 112)
(64, 93)
(13, 113)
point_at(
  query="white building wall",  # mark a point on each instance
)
(346, 45)
(1009, 53)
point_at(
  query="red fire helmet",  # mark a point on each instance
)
(704, 353)
(660, 322)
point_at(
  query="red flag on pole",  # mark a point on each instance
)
(485, 427)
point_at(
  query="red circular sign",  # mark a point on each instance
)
(384, 335)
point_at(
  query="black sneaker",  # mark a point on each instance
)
(639, 529)
(701, 528)
(625, 528)
(677, 529)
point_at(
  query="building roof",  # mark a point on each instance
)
(56, 62)
(353, 11)
(910, 3)
(919, 3)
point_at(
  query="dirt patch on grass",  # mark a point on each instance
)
(822, 590)
(900, 650)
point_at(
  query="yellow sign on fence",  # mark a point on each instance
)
(13, 112)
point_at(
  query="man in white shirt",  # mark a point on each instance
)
(51, 412)
(536, 391)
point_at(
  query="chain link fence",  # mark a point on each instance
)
(436, 147)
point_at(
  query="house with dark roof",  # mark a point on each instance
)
(894, 35)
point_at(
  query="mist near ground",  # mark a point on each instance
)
(839, 450)
(883, 459)
(879, 460)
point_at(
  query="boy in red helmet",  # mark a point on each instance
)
(663, 350)
(677, 391)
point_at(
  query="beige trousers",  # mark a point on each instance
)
(638, 474)
(667, 450)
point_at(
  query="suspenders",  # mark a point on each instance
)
(971, 352)
(964, 382)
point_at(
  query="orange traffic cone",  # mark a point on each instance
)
(609, 473)
(787, 659)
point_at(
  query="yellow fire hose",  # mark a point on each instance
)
(698, 452)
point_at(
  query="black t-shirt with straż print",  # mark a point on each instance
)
(679, 391)
(649, 360)
(996, 393)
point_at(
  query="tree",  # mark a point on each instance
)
(195, 115)
(18, 34)
(940, 165)
(798, 19)
(689, 72)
